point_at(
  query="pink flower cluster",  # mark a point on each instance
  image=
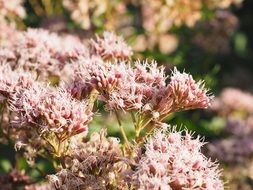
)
(234, 108)
(186, 93)
(51, 109)
(173, 161)
(101, 154)
(44, 52)
(11, 81)
(52, 121)
(219, 31)
(142, 87)
(229, 101)
(103, 76)
(111, 46)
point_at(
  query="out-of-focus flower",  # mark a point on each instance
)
(111, 46)
(239, 175)
(38, 187)
(237, 112)
(160, 16)
(47, 53)
(239, 126)
(228, 102)
(185, 12)
(214, 35)
(174, 161)
(8, 181)
(84, 12)
(92, 165)
(166, 43)
(222, 4)
(8, 34)
(80, 10)
(12, 81)
(238, 145)
(233, 149)
(11, 8)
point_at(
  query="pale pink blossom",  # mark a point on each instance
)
(110, 46)
(44, 52)
(12, 81)
(145, 89)
(142, 87)
(233, 99)
(173, 160)
(7, 56)
(52, 110)
(186, 92)
(8, 34)
(182, 93)
(103, 76)
(138, 86)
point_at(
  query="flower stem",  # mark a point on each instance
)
(122, 129)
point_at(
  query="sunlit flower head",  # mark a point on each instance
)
(52, 110)
(173, 160)
(186, 92)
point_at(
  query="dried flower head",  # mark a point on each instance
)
(100, 154)
(173, 161)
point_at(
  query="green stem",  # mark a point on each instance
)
(141, 127)
(122, 129)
